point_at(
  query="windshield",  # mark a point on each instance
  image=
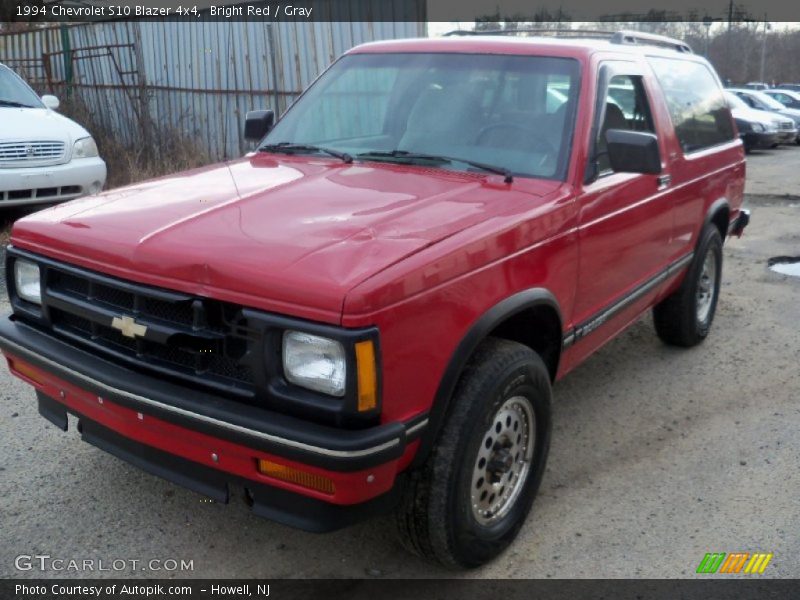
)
(514, 113)
(15, 92)
(767, 101)
(735, 102)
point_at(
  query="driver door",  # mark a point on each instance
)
(625, 219)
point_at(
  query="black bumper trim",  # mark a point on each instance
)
(282, 435)
(288, 508)
(586, 327)
(738, 225)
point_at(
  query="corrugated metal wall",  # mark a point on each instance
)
(200, 77)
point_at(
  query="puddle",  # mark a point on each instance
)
(785, 265)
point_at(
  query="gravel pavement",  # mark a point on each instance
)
(659, 455)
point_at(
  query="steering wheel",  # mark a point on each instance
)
(540, 143)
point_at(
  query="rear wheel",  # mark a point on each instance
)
(468, 502)
(684, 318)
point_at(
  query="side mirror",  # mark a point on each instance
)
(51, 102)
(257, 124)
(633, 151)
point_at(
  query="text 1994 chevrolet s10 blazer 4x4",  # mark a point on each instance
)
(368, 312)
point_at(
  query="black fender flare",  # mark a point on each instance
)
(479, 330)
(716, 206)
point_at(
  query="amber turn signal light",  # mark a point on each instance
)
(367, 376)
(296, 476)
(26, 370)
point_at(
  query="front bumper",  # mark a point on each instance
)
(207, 442)
(56, 183)
(760, 139)
(787, 136)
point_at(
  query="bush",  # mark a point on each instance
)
(170, 150)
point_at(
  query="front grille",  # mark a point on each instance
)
(48, 194)
(15, 152)
(197, 340)
(788, 125)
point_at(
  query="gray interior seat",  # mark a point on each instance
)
(442, 117)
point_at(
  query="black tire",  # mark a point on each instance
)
(677, 317)
(435, 519)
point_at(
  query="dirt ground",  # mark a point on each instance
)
(659, 455)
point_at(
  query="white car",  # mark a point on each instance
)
(789, 98)
(44, 156)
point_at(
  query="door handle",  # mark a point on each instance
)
(663, 180)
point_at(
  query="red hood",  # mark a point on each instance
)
(291, 234)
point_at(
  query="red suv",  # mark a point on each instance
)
(368, 312)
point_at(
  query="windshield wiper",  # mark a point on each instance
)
(508, 177)
(290, 147)
(14, 104)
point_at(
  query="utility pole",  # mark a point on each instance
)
(707, 24)
(730, 15)
(730, 24)
(764, 48)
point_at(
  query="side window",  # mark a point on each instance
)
(696, 105)
(627, 107)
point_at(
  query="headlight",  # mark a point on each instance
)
(84, 148)
(27, 281)
(314, 362)
(757, 127)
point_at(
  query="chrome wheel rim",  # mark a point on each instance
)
(504, 460)
(706, 287)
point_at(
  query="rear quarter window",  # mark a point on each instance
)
(699, 113)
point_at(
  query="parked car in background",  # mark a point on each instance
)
(789, 98)
(756, 85)
(757, 128)
(761, 101)
(789, 86)
(44, 156)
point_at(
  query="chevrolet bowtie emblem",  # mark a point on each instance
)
(128, 327)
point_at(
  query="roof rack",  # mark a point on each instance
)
(650, 39)
(615, 37)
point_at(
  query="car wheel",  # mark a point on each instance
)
(684, 318)
(468, 502)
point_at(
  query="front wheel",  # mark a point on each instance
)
(684, 318)
(469, 501)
